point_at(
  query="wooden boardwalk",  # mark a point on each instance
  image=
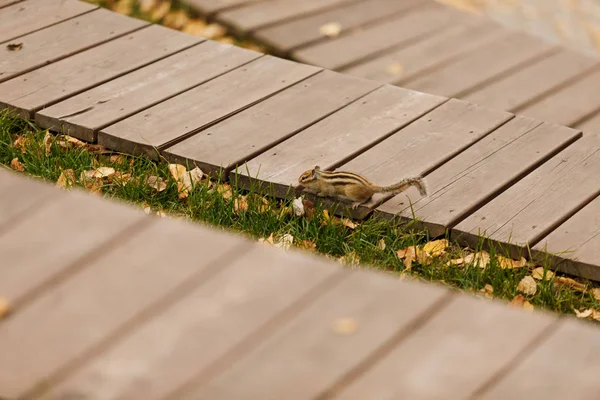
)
(115, 304)
(145, 89)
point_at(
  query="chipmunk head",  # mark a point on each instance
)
(310, 175)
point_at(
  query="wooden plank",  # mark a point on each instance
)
(401, 30)
(235, 140)
(503, 56)
(84, 115)
(178, 118)
(308, 356)
(425, 145)
(59, 41)
(88, 309)
(565, 366)
(248, 18)
(452, 354)
(208, 7)
(590, 124)
(213, 325)
(342, 135)
(398, 66)
(55, 82)
(20, 195)
(541, 201)
(289, 35)
(56, 237)
(31, 15)
(570, 104)
(532, 82)
(480, 173)
(4, 3)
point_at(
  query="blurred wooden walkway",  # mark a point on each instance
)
(109, 303)
(146, 89)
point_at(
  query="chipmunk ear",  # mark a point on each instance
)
(315, 171)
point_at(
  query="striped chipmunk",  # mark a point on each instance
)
(352, 187)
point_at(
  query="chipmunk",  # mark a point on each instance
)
(352, 187)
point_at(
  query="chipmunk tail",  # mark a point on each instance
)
(405, 183)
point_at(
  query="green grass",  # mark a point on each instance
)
(206, 203)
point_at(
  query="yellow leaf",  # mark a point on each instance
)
(121, 178)
(596, 293)
(538, 273)
(214, 31)
(240, 205)
(224, 190)
(185, 180)
(226, 40)
(436, 247)
(20, 143)
(527, 286)
(47, 142)
(584, 314)
(331, 29)
(159, 12)
(345, 326)
(528, 306)
(564, 281)
(66, 178)
(350, 259)
(381, 244)
(349, 224)
(99, 173)
(307, 245)
(481, 259)
(507, 263)
(4, 308)
(395, 69)
(409, 255)
(517, 301)
(156, 183)
(194, 27)
(16, 165)
(175, 19)
(489, 289)
(147, 5)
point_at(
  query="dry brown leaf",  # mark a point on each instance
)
(120, 178)
(489, 289)
(185, 180)
(435, 248)
(214, 31)
(349, 224)
(269, 241)
(596, 293)
(146, 207)
(48, 142)
(345, 326)
(507, 263)
(124, 7)
(480, 259)
(161, 214)
(309, 209)
(5, 308)
(240, 205)
(527, 286)
(176, 19)
(16, 165)
(584, 314)
(98, 173)
(528, 306)
(284, 242)
(538, 274)
(307, 245)
(262, 204)
(14, 46)
(147, 5)
(350, 259)
(156, 183)
(224, 190)
(395, 69)
(194, 27)
(331, 29)
(409, 255)
(66, 140)
(517, 301)
(20, 143)
(66, 178)
(298, 207)
(117, 159)
(381, 244)
(572, 283)
(160, 11)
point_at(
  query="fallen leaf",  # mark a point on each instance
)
(214, 31)
(185, 180)
(226, 40)
(224, 190)
(538, 274)
(285, 242)
(270, 240)
(48, 142)
(194, 27)
(100, 172)
(66, 178)
(14, 46)
(147, 209)
(161, 214)
(596, 293)
(121, 178)
(436, 247)
(309, 209)
(584, 314)
(240, 205)
(20, 143)
(351, 259)
(16, 165)
(572, 283)
(507, 263)
(261, 203)
(307, 245)
(528, 306)
(345, 326)
(331, 29)
(395, 69)
(156, 183)
(381, 244)
(147, 5)
(517, 301)
(488, 289)
(176, 19)
(527, 286)
(65, 141)
(349, 224)
(117, 159)
(409, 255)
(160, 11)
(480, 259)
(298, 207)
(4, 308)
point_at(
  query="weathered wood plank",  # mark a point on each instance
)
(406, 63)
(248, 18)
(48, 85)
(56, 237)
(512, 51)
(565, 366)
(87, 309)
(309, 355)
(179, 117)
(590, 124)
(31, 15)
(570, 104)
(4, 3)
(212, 325)
(289, 35)
(65, 39)
(232, 142)
(401, 30)
(524, 86)
(20, 194)
(425, 145)
(208, 7)
(534, 206)
(480, 173)
(84, 115)
(343, 134)
(452, 354)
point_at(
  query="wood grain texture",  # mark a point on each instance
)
(400, 65)
(4, 3)
(589, 125)
(248, 18)
(288, 35)
(401, 30)
(45, 243)
(506, 54)
(563, 366)
(344, 134)
(65, 39)
(31, 15)
(209, 324)
(213, 6)
(480, 173)
(309, 355)
(176, 119)
(524, 86)
(425, 144)
(83, 115)
(232, 142)
(534, 206)
(570, 104)
(98, 302)
(452, 354)
(55, 82)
